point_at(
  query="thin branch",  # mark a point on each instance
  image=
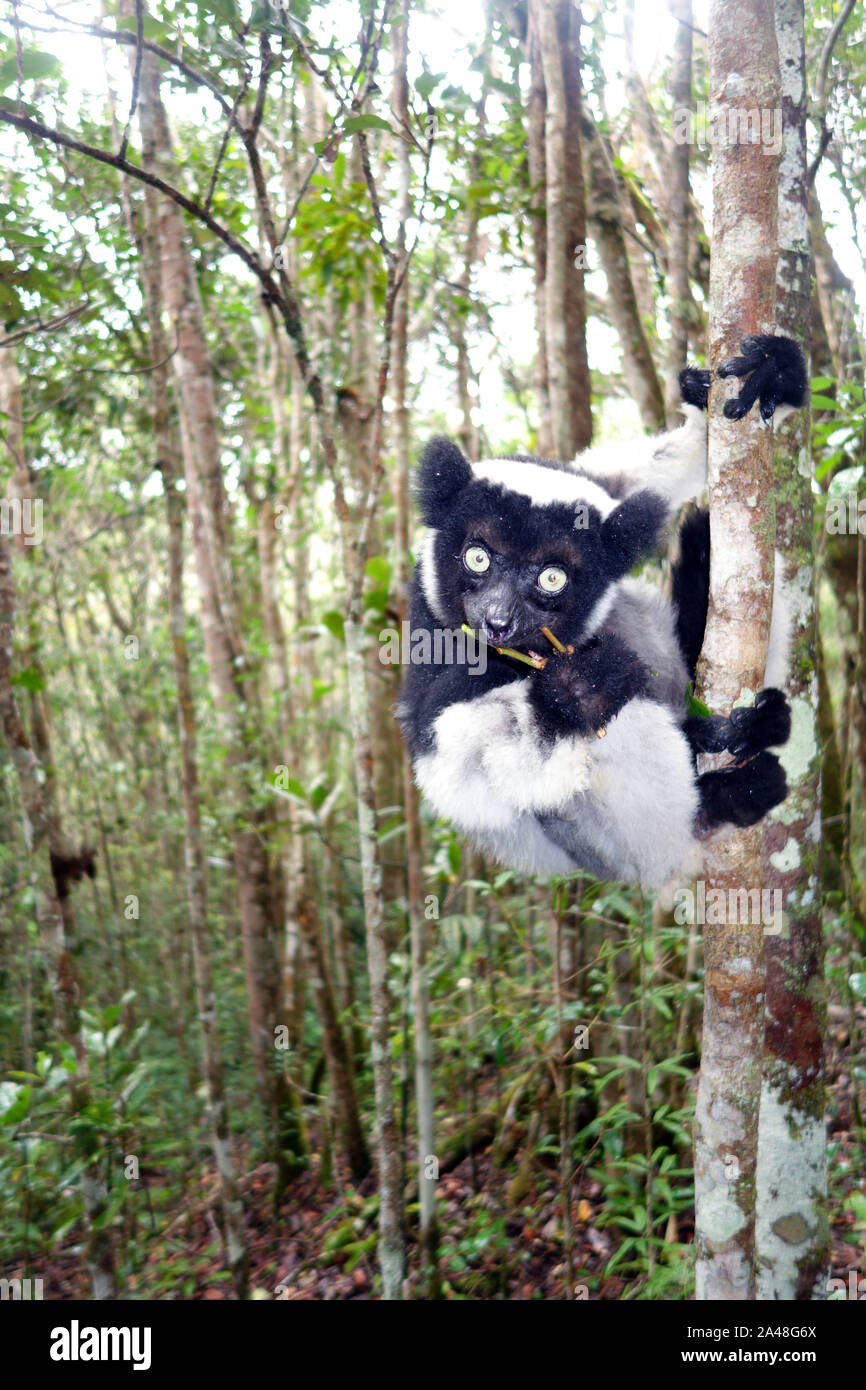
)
(232, 122)
(136, 76)
(827, 53)
(822, 96)
(356, 102)
(50, 327)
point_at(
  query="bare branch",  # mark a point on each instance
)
(50, 327)
(136, 76)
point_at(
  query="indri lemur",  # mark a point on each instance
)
(512, 756)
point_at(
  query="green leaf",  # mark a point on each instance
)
(19, 1107)
(366, 121)
(427, 82)
(34, 64)
(824, 403)
(31, 678)
(696, 706)
(226, 10)
(335, 623)
(378, 568)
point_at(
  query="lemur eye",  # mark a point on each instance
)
(552, 579)
(476, 559)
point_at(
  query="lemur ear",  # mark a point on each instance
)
(631, 531)
(442, 473)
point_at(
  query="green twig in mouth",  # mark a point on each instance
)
(556, 642)
(538, 662)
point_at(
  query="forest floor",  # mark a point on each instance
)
(321, 1243)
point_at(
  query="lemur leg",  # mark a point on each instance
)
(740, 795)
(766, 724)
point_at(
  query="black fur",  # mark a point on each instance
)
(581, 691)
(775, 375)
(690, 585)
(740, 795)
(71, 868)
(695, 386)
(443, 471)
(749, 730)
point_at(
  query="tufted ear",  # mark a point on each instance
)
(631, 531)
(442, 473)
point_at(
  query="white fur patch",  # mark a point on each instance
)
(544, 485)
(600, 611)
(644, 794)
(429, 580)
(630, 797)
(672, 464)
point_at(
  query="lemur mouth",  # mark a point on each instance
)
(498, 636)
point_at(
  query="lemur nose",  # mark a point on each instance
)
(498, 623)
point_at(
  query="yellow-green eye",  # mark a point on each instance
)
(476, 559)
(552, 579)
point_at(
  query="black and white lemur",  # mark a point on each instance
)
(512, 757)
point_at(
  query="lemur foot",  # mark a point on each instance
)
(580, 691)
(695, 386)
(775, 374)
(740, 795)
(766, 724)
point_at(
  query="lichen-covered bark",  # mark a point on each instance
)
(792, 1230)
(743, 76)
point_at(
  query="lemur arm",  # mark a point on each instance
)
(674, 464)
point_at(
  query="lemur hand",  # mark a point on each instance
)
(775, 374)
(580, 691)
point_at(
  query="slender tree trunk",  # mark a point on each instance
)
(679, 291)
(557, 26)
(537, 114)
(744, 75)
(423, 1042)
(621, 303)
(225, 655)
(792, 1236)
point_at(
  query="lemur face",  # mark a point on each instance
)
(515, 568)
(521, 544)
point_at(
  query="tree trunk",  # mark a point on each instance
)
(605, 217)
(792, 1236)
(744, 75)
(679, 291)
(557, 26)
(226, 661)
